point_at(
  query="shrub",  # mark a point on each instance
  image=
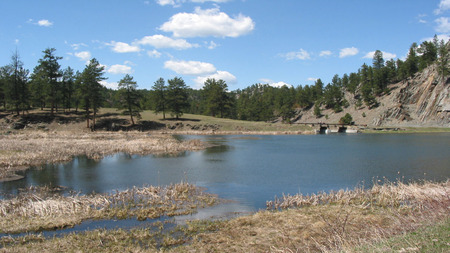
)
(346, 120)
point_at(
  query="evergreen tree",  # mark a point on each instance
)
(51, 70)
(177, 96)
(16, 91)
(91, 89)
(3, 83)
(160, 97)
(443, 60)
(68, 88)
(129, 97)
(412, 61)
(429, 54)
(216, 97)
(38, 87)
(378, 61)
(353, 82)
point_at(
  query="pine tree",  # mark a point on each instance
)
(90, 89)
(129, 97)
(51, 70)
(177, 97)
(160, 97)
(215, 97)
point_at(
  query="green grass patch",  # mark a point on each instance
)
(432, 238)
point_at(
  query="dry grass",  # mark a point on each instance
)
(28, 148)
(342, 221)
(331, 222)
(39, 208)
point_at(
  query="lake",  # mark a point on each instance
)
(253, 169)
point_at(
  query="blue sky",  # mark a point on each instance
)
(242, 42)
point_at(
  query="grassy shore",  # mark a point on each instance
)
(381, 219)
(27, 148)
(42, 208)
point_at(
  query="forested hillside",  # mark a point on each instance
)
(410, 92)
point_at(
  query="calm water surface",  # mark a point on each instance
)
(254, 169)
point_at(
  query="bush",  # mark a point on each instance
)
(346, 120)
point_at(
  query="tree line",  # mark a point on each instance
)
(53, 88)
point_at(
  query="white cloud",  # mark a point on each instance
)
(77, 46)
(273, 83)
(349, 51)
(190, 67)
(440, 37)
(177, 3)
(161, 41)
(112, 85)
(211, 45)
(443, 25)
(312, 79)
(121, 47)
(219, 75)
(325, 53)
(299, 55)
(386, 55)
(154, 54)
(84, 55)
(443, 6)
(44, 22)
(120, 69)
(209, 22)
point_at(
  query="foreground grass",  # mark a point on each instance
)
(43, 209)
(344, 221)
(434, 238)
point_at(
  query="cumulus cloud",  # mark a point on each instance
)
(84, 55)
(443, 6)
(273, 83)
(112, 85)
(177, 3)
(312, 79)
(44, 22)
(325, 53)
(209, 22)
(443, 25)
(195, 68)
(298, 55)
(120, 69)
(349, 51)
(161, 41)
(122, 47)
(386, 55)
(219, 75)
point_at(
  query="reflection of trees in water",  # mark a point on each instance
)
(217, 149)
(174, 155)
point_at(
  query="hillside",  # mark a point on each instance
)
(420, 101)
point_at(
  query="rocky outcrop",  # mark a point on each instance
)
(420, 101)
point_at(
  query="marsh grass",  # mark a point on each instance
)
(29, 148)
(343, 221)
(42, 209)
